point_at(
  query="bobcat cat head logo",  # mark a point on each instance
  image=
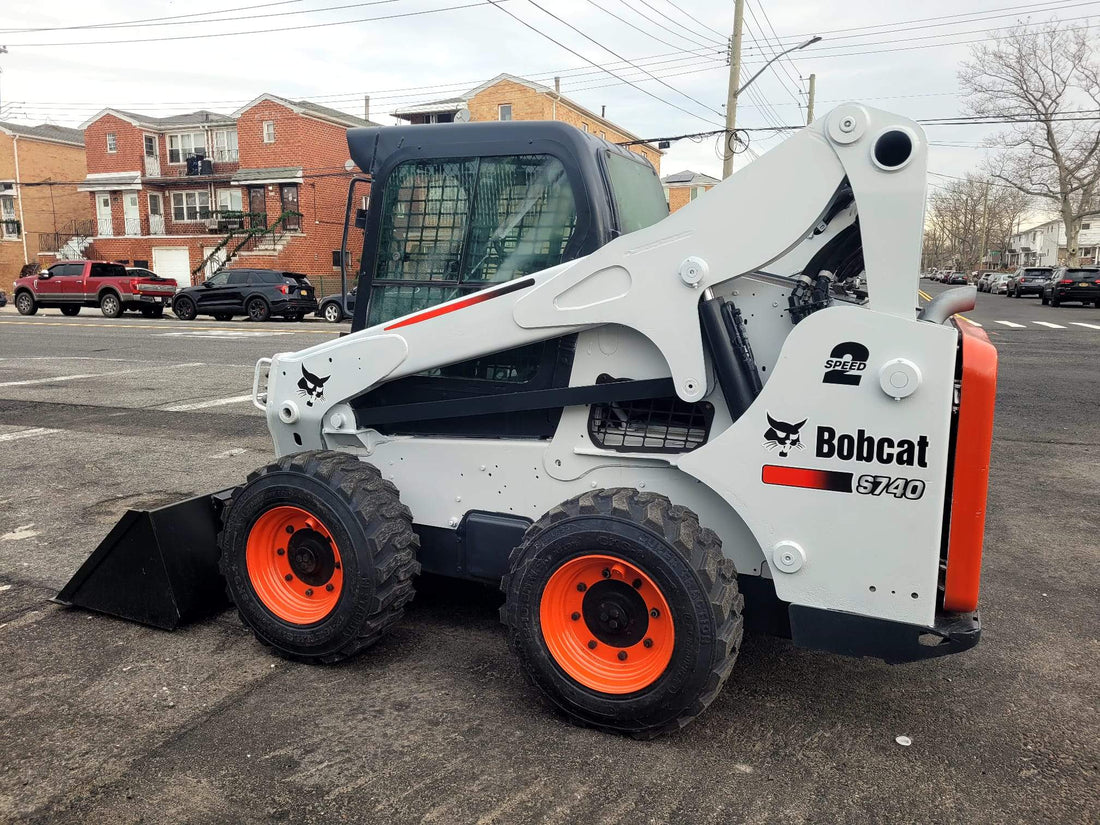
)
(312, 386)
(783, 435)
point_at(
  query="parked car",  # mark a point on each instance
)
(1073, 284)
(255, 293)
(985, 280)
(72, 285)
(999, 284)
(957, 278)
(333, 311)
(1029, 281)
(3, 298)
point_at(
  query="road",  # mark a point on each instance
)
(105, 721)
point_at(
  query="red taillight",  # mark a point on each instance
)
(284, 289)
(1065, 281)
(133, 284)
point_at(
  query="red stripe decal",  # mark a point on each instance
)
(476, 298)
(831, 480)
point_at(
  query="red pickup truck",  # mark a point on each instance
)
(70, 285)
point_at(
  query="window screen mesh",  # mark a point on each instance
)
(664, 425)
(450, 227)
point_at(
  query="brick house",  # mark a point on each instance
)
(39, 170)
(682, 188)
(507, 97)
(175, 192)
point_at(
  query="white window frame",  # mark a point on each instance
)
(198, 195)
(223, 145)
(584, 127)
(7, 213)
(269, 131)
(230, 192)
(112, 143)
(501, 109)
(181, 151)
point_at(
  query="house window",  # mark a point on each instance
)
(190, 206)
(584, 127)
(182, 146)
(112, 142)
(336, 259)
(1086, 226)
(603, 134)
(225, 145)
(269, 131)
(504, 111)
(9, 226)
(229, 200)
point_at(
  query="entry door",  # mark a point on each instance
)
(152, 156)
(257, 206)
(130, 213)
(106, 226)
(289, 195)
(173, 262)
(156, 214)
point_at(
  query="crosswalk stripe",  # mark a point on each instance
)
(1012, 324)
(1048, 324)
(1082, 324)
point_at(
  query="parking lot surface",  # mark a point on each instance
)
(106, 721)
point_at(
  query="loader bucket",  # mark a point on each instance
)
(157, 567)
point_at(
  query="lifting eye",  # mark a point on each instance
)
(893, 148)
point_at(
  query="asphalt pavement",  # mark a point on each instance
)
(105, 721)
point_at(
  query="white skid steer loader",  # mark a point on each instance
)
(650, 428)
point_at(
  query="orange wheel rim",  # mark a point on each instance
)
(294, 565)
(607, 624)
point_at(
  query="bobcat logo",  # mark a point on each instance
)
(312, 386)
(783, 435)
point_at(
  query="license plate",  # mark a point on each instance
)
(304, 292)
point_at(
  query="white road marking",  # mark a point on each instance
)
(235, 451)
(225, 334)
(1012, 324)
(24, 532)
(31, 433)
(201, 405)
(1082, 324)
(161, 367)
(1048, 324)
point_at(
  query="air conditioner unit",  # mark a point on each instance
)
(211, 223)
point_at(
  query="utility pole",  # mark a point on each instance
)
(985, 224)
(810, 104)
(734, 87)
(366, 107)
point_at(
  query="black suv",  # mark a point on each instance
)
(1073, 284)
(257, 293)
(1029, 281)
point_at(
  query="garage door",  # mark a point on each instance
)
(173, 262)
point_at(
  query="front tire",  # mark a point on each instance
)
(184, 309)
(25, 304)
(623, 611)
(319, 555)
(70, 310)
(258, 310)
(110, 305)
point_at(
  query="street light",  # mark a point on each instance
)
(764, 68)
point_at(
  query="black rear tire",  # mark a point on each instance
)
(258, 310)
(1054, 302)
(25, 303)
(70, 310)
(683, 560)
(371, 529)
(184, 309)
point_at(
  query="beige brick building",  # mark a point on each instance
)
(39, 170)
(682, 188)
(507, 97)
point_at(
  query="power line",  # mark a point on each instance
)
(752, 37)
(779, 46)
(703, 40)
(696, 19)
(495, 4)
(146, 19)
(650, 35)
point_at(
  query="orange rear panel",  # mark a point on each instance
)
(971, 478)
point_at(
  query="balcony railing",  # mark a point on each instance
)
(58, 241)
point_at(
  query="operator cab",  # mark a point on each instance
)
(458, 207)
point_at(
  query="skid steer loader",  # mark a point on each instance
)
(648, 428)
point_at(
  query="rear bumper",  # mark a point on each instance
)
(305, 305)
(1088, 294)
(1029, 289)
(850, 634)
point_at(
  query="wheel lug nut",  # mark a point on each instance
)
(606, 573)
(648, 643)
(575, 616)
(329, 588)
(622, 655)
(288, 577)
(581, 586)
(309, 591)
(614, 625)
(281, 551)
(592, 644)
(603, 617)
(637, 584)
(655, 613)
(290, 528)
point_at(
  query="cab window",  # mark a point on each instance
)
(636, 191)
(238, 278)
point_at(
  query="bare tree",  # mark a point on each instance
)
(1046, 79)
(970, 217)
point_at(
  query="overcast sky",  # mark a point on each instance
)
(889, 53)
